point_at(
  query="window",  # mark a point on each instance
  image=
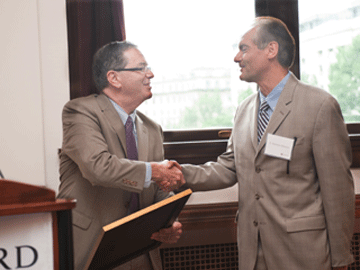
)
(330, 50)
(190, 46)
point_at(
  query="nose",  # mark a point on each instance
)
(149, 74)
(237, 58)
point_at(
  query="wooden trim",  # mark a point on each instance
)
(178, 199)
(223, 133)
(199, 147)
(194, 135)
(206, 214)
(357, 206)
(207, 224)
(222, 212)
(18, 198)
(215, 223)
(29, 208)
(355, 148)
(353, 128)
(13, 192)
(195, 152)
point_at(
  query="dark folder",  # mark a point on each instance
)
(129, 237)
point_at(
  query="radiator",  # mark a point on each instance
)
(221, 256)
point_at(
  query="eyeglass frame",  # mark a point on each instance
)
(143, 69)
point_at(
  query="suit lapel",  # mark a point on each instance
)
(282, 109)
(254, 121)
(113, 117)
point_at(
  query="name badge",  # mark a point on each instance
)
(279, 147)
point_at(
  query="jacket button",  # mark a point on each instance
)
(258, 169)
(257, 196)
(255, 223)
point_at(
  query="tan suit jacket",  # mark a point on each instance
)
(95, 171)
(304, 218)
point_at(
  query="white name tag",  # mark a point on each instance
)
(279, 147)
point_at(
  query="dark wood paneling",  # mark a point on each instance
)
(194, 152)
(196, 135)
(353, 128)
(355, 147)
(197, 218)
(207, 224)
(201, 146)
(357, 208)
(287, 11)
(209, 213)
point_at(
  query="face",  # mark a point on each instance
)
(136, 84)
(252, 61)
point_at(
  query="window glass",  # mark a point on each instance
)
(330, 50)
(190, 46)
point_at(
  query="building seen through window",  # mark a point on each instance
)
(191, 44)
(330, 50)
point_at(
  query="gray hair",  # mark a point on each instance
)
(109, 57)
(272, 29)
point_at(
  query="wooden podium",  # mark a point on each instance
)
(36, 229)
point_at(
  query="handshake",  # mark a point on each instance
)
(167, 175)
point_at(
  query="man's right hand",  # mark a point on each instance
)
(167, 175)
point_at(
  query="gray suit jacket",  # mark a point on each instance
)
(95, 171)
(304, 218)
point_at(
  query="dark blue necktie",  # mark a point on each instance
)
(132, 154)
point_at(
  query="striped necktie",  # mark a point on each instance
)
(263, 119)
(132, 154)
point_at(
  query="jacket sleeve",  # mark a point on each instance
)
(212, 175)
(332, 153)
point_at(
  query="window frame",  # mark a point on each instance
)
(200, 146)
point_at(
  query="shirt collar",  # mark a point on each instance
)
(123, 115)
(274, 95)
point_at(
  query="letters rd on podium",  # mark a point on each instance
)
(29, 228)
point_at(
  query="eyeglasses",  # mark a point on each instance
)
(142, 69)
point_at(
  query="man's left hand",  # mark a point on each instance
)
(169, 235)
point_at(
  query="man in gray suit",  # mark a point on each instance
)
(291, 160)
(111, 153)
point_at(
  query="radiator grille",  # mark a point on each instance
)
(356, 251)
(217, 256)
(221, 256)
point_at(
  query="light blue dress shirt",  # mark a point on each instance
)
(274, 95)
(124, 116)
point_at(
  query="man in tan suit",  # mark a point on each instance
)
(296, 193)
(98, 169)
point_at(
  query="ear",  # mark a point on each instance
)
(273, 49)
(113, 79)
